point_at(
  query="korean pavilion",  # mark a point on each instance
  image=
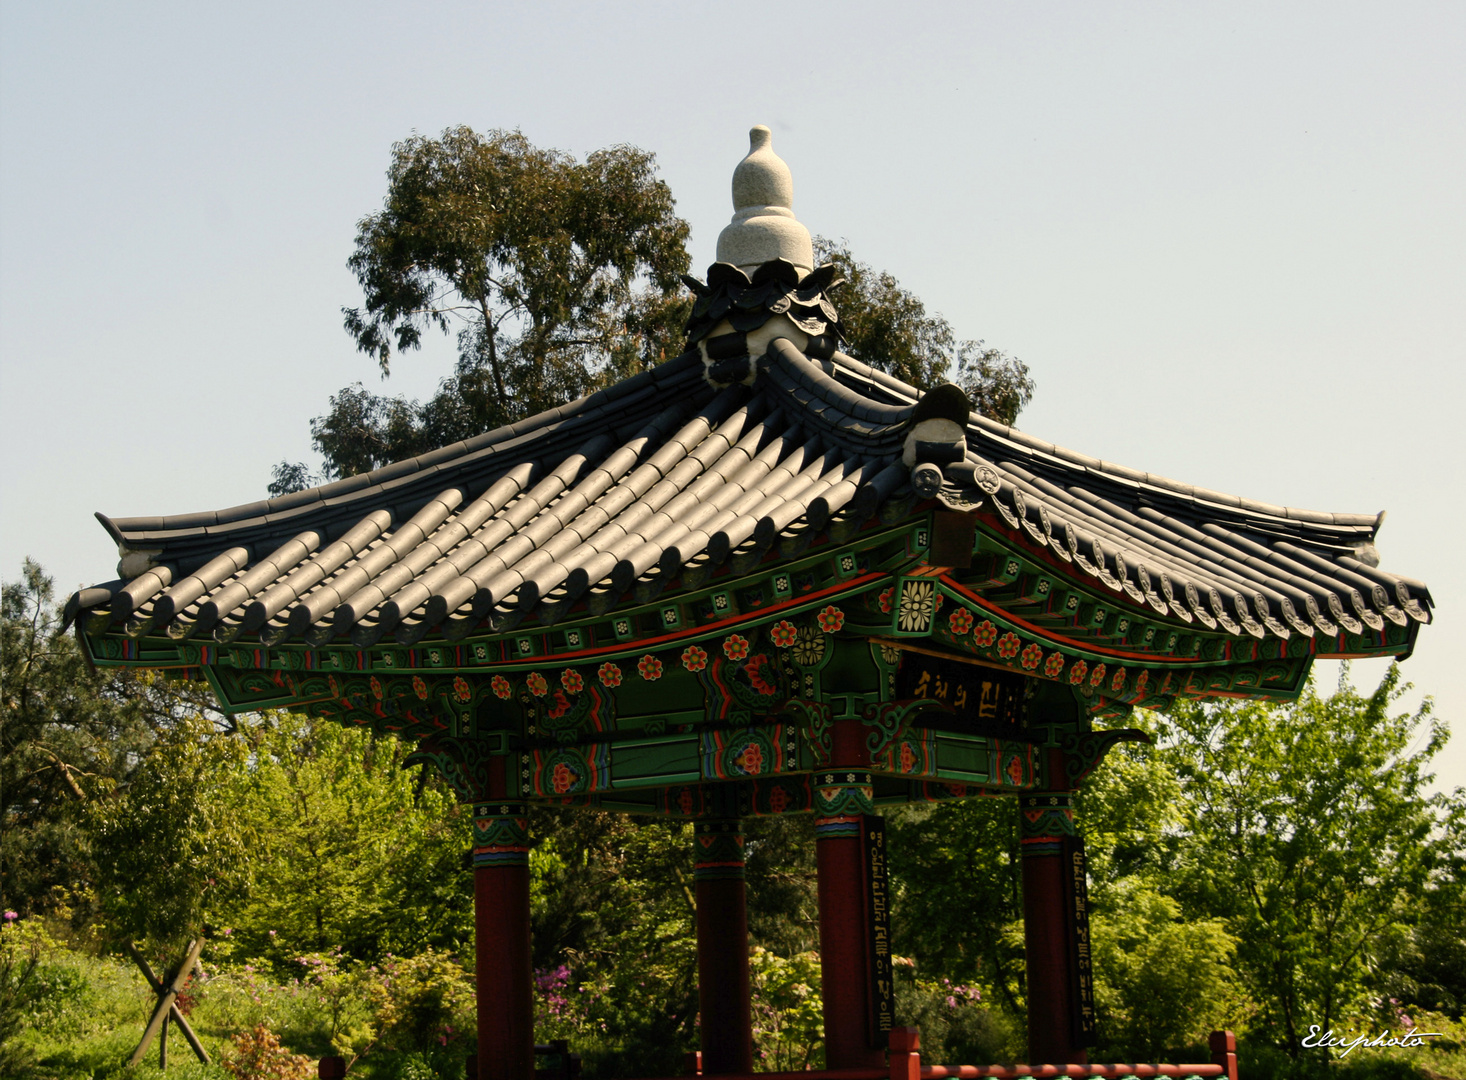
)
(761, 578)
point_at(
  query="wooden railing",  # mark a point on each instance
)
(904, 1063)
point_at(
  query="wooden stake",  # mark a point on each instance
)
(165, 1007)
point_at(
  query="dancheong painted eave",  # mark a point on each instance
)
(665, 481)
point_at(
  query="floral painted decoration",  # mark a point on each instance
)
(419, 687)
(960, 621)
(562, 778)
(831, 619)
(1032, 655)
(782, 633)
(887, 599)
(461, 690)
(1097, 676)
(572, 681)
(735, 646)
(917, 605)
(809, 647)
(1078, 672)
(694, 658)
(501, 687)
(376, 688)
(755, 670)
(986, 634)
(1054, 665)
(537, 684)
(609, 674)
(649, 667)
(1008, 646)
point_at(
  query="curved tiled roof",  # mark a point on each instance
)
(666, 475)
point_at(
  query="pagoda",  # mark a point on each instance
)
(761, 578)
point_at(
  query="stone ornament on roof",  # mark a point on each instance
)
(763, 226)
(763, 286)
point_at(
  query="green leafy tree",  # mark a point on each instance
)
(1311, 833)
(68, 737)
(344, 848)
(957, 907)
(164, 844)
(557, 275)
(889, 327)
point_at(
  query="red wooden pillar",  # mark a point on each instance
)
(842, 796)
(722, 948)
(501, 936)
(1045, 820)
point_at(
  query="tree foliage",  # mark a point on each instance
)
(558, 276)
(1312, 834)
(69, 737)
(889, 328)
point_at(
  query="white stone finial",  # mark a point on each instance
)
(763, 226)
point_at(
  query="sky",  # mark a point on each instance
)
(1229, 240)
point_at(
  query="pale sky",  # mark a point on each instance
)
(1229, 239)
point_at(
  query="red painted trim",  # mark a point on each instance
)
(852, 587)
(1048, 635)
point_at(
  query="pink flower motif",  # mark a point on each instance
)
(461, 690)
(649, 667)
(831, 619)
(572, 681)
(735, 646)
(1077, 672)
(986, 634)
(376, 688)
(1097, 676)
(501, 687)
(1119, 680)
(537, 684)
(751, 760)
(419, 688)
(609, 674)
(1032, 655)
(562, 778)
(1008, 646)
(887, 599)
(754, 669)
(1054, 665)
(783, 633)
(694, 658)
(960, 621)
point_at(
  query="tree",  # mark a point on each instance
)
(888, 327)
(558, 275)
(68, 737)
(346, 848)
(561, 277)
(1311, 833)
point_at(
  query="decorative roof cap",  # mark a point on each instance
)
(763, 226)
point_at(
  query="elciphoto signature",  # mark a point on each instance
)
(1338, 1042)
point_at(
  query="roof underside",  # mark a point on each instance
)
(666, 476)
